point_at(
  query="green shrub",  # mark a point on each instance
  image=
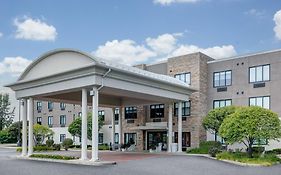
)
(266, 160)
(258, 150)
(57, 147)
(67, 143)
(214, 151)
(204, 147)
(103, 147)
(5, 136)
(274, 151)
(50, 142)
(48, 156)
(38, 148)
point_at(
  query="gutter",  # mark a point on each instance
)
(104, 75)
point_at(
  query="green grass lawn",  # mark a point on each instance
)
(265, 160)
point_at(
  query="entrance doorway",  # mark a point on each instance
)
(156, 138)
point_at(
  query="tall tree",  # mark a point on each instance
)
(40, 132)
(215, 117)
(249, 125)
(75, 127)
(6, 113)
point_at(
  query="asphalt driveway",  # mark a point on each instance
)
(150, 165)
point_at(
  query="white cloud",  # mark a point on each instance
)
(163, 44)
(277, 28)
(168, 2)
(255, 12)
(124, 51)
(161, 47)
(13, 65)
(215, 52)
(34, 29)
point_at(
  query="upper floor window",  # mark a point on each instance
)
(222, 78)
(62, 106)
(131, 112)
(50, 120)
(222, 103)
(39, 106)
(260, 101)
(185, 77)
(259, 73)
(62, 120)
(101, 115)
(50, 105)
(185, 108)
(39, 120)
(157, 111)
(116, 114)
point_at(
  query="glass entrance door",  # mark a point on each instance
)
(156, 138)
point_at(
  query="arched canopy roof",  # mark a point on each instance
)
(62, 73)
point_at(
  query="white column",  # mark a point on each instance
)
(180, 126)
(170, 127)
(121, 115)
(30, 126)
(113, 130)
(95, 129)
(84, 126)
(24, 126)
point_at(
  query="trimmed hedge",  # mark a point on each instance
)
(48, 156)
(39, 148)
(205, 147)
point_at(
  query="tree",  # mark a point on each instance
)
(15, 131)
(6, 114)
(215, 117)
(40, 132)
(249, 125)
(75, 127)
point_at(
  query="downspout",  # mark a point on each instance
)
(104, 75)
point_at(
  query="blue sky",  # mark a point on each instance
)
(135, 31)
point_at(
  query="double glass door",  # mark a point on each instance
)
(156, 138)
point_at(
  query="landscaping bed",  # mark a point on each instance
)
(57, 157)
(264, 160)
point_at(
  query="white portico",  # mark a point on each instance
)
(72, 76)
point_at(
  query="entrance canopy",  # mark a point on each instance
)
(59, 75)
(67, 75)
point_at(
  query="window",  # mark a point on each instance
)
(79, 114)
(62, 106)
(39, 120)
(101, 115)
(62, 120)
(130, 138)
(50, 105)
(261, 142)
(39, 106)
(185, 139)
(131, 112)
(50, 120)
(116, 114)
(100, 138)
(222, 78)
(222, 103)
(259, 73)
(260, 101)
(157, 111)
(185, 108)
(116, 138)
(185, 77)
(62, 137)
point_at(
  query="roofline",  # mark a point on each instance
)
(245, 55)
(51, 52)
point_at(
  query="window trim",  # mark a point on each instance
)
(184, 73)
(154, 117)
(175, 114)
(262, 101)
(229, 70)
(221, 100)
(262, 65)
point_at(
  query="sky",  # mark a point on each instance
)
(135, 31)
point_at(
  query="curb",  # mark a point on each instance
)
(73, 162)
